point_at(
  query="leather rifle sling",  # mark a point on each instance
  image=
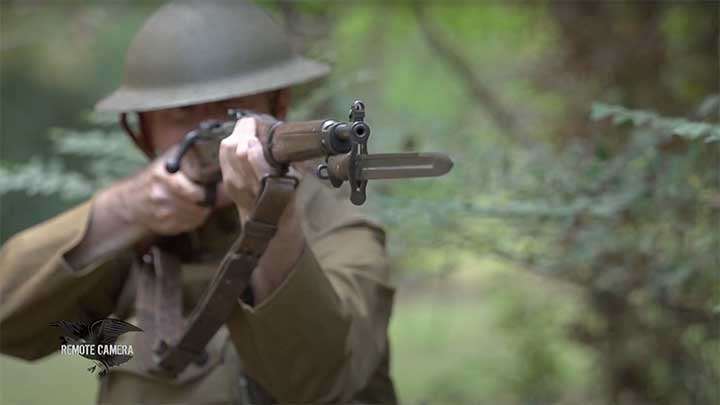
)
(172, 355)
(158, 301)
(168, 295)
(145, 309)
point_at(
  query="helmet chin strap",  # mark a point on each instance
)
(140, 139)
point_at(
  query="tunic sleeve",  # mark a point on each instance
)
(38, 286)
(323, 332)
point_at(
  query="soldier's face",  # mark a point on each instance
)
(167, 127)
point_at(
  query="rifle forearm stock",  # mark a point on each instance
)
(288, 142)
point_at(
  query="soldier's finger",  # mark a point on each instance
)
(251, 177)
(256, 158)
(244, 128)
(158, 194)
(181, 186)
(229, 146)
(189, 208)
(230, 164)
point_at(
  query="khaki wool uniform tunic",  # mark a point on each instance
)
(320, 337)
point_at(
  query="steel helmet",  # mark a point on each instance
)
(192, 52)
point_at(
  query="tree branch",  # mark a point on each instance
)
(500, 115)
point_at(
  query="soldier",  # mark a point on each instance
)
(313, 329)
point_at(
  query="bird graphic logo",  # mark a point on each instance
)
(96, 340)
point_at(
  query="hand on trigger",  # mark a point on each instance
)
(157, 201)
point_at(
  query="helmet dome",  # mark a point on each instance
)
(191, 52)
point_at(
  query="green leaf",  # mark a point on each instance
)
(600, 111)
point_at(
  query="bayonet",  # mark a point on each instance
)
(379, 166)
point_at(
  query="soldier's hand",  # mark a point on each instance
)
(243, 165)
(160, 202)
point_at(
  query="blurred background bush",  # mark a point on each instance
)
(570, 257)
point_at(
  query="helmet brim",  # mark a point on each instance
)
(297, 71)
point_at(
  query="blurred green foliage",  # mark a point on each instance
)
(561, 261)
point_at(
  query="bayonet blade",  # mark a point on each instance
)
(402, 165)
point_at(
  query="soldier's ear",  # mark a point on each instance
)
(281, 103)
(144, 137)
